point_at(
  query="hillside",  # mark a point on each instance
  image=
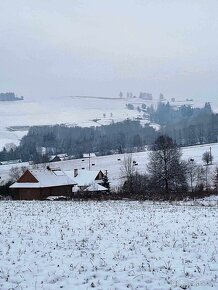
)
(113, 163)
(72, 111)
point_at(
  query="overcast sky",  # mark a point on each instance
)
(99, 47)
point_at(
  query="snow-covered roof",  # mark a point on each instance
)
(96, 187)
(46, 178)
(84, 177)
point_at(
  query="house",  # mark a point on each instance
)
(86, 178)
(58, 157)
(42, 183)
(55, 158)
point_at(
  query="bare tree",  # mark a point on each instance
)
(166, 169)
(16, 172)
(192, 172)
(200, 180)
(128, 170)
(207, 159)
(10, 146)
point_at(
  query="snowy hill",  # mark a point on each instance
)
(113, 163)
(81, 111)
(65, 110)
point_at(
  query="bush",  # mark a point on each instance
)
(4, 188)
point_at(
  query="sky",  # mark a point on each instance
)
(53, 48)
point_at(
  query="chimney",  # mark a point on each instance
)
(75, 172)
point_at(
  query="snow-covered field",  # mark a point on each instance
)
(108, 245)
(113, 163)
(64, 110)
(67, 110)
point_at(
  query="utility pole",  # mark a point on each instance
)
(210, 156)
(206, 174)
(89, 161)
(191, 162)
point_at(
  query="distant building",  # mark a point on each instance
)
(145, 96)
(55, 158)
(58, 157)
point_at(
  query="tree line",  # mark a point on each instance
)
(42, 141)
(168, 176)
(185, 125)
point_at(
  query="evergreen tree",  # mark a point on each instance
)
(105, 182)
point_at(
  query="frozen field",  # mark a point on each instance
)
(113, 163)
(63, 110)
(66, 110)
(108, 245)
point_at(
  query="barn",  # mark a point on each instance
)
(42, 183)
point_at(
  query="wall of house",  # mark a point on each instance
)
(29, 193)
(42, 193)
(65, 190)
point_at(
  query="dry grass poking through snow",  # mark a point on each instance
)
(107, 245)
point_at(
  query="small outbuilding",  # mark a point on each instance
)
(85, 178)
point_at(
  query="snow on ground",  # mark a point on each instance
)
(211, 200)
(108, 245)
(10, 137)
(113, 163)
(66, 110)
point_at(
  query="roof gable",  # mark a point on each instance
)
(99, 176)
(27, 177)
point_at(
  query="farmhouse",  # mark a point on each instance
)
(58, 157)
(42, 183)
(55, 158)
